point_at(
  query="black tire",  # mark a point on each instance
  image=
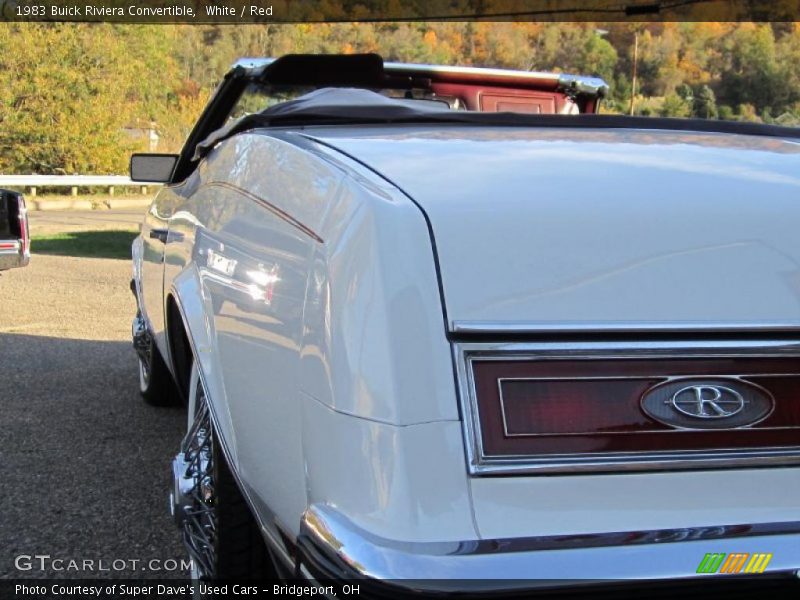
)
(222, 535)
(239, 547)
(155, 381)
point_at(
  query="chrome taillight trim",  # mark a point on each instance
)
(500, 328)
(480, 464)
(13, 247)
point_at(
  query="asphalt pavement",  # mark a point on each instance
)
(84, 463)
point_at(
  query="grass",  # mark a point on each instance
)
(92, 244)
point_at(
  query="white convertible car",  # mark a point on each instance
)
(435, 338)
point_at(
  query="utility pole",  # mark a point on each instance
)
(635, 60)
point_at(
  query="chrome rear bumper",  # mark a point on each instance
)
(332, 547)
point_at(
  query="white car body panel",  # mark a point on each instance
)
(330, 370)
(400, 483)
(632, 501)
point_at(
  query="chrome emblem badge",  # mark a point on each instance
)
(719, 403)
(708, 401)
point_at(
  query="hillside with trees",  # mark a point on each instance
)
(72, 93)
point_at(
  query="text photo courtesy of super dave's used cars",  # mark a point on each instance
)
(446, 328)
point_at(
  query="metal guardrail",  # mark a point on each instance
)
(65, 180)
(72, 181)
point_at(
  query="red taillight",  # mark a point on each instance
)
(574, 407)
(570, 407)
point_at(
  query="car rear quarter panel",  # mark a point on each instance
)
(349, 340)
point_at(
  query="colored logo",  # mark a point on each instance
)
(736, 562)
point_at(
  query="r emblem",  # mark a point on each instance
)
(708, 401)
(713, 403)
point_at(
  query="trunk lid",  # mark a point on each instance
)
(590, 229)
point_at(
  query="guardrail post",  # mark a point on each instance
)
(74, 190)
(33, 191)
(144, 190)
(111, 190)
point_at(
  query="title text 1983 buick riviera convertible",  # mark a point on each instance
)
(426, 330)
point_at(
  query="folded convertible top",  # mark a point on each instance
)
(327, 106)
(350, 106)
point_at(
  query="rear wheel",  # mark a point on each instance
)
(219, 531)
(155, 381)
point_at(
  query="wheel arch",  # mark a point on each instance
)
(185, 324)
(181, 355)
(189, 339)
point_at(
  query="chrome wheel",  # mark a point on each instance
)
(144, 374)
(155, 381)
(221, 535)
(194, 497)
(142, 343)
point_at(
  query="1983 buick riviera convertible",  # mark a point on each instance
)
(426, 330)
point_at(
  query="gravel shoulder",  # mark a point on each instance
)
(85, 463)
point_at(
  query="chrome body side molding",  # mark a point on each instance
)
(489, 328)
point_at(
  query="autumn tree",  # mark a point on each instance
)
(63, 106)
(70, 91)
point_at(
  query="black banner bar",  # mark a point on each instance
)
(729, 587)
(317, 11)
